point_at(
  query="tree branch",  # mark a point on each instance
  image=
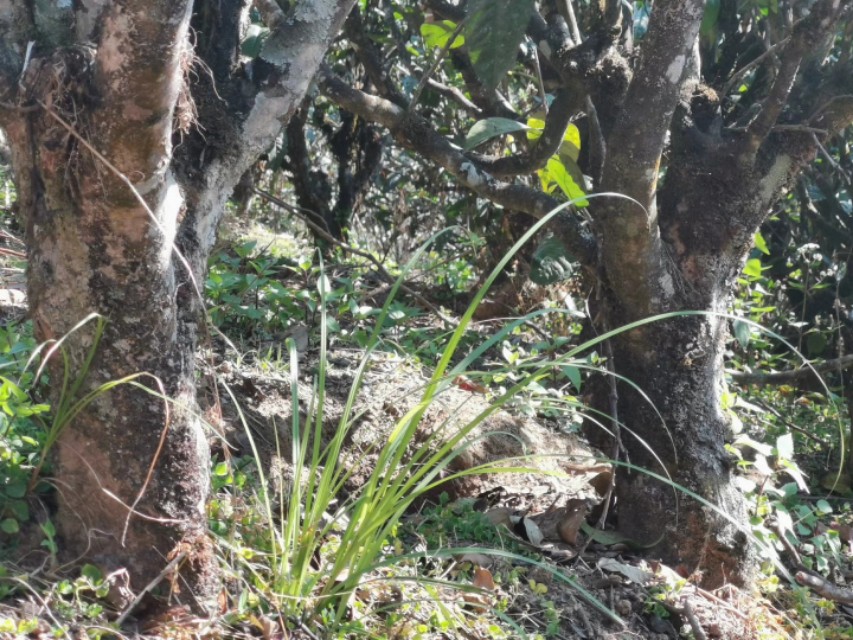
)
(295, 50)
(271, 13)
(555, 129)
(415, 133)
(806, 33)
(824, 588)
(796, 375)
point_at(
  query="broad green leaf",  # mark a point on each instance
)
(9, 525)
(437, 34)
(816, 344)
(494, 30)
(753, 268)
(490, 128)
(742, 332)
(535, 128)
(253, 43)
(823, 507)
(16, 489)
(574, 376)
(551, 262)
(570, 147)
(556, 173)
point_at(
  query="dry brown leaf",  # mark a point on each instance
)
(570, 524)
(483, 579)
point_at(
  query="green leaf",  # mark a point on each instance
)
(49, 529)
(556, 173)
(253, 43)
(753, 268)
(824, 507)
(93, 573)
(221, 469)
(761, 244)
(742, 332)
(17, 489)
(816, 344)
(9, 525)
(437, 34)
(494, 30)
(490, 128)
(551, 262)
(570, 147)
(574, 376)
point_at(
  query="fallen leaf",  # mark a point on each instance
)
(527, 529)
(634, 574)
(575, 516)
(483, 579)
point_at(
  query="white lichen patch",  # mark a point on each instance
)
(675, 69)
(774, 179)
(110, 54)
(667, 285)
(472, 176)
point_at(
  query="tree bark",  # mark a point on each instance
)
(120, 223)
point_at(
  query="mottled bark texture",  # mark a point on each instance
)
(701, 178)
(112, 95)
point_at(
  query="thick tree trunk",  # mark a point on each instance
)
(84, 123)
(132, 468)
(676, 428)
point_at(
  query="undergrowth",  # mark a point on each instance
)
(389, 561)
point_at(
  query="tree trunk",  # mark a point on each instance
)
(674, 426)
(120, 223)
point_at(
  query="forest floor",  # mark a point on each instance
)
(515, 551)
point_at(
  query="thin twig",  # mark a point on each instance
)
(441, 55)
(571, 18)
(795, 375)
(831, 160)
(825, 588)
(751, 65)
(698, 631)
(539, 80)
(150, 586)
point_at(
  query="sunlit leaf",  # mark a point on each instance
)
(785, 446)
(761, 244)
(556, 173)
(753, 268)
(437, 34)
